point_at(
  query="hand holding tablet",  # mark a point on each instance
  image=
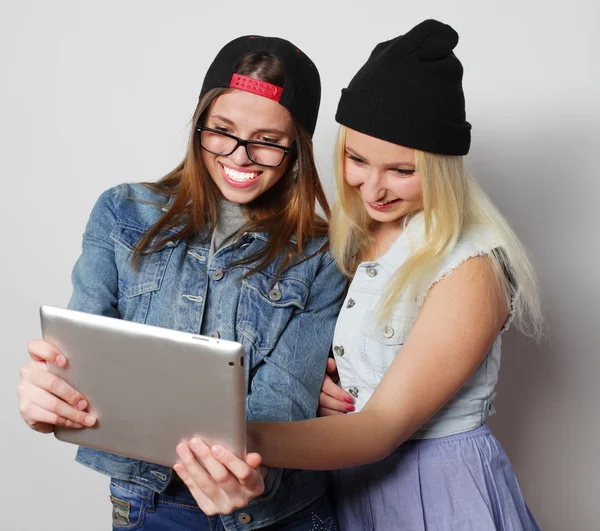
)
(149, 387)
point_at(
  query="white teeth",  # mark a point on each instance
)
(239, 176)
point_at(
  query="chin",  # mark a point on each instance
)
(381, 218)
(238, 196)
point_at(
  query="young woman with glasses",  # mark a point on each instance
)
(228, 245)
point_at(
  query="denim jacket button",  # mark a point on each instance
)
(244, 518)
(275, 295)
(338, 350)
(218, 274)
(372, 272)
(388, 332)
(214, 334)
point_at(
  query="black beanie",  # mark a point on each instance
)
(410, 93)
(301, 91)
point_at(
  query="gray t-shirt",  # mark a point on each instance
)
(230, 219)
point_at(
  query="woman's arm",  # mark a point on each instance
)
(460, 319)
(46, 400)
(95, 277)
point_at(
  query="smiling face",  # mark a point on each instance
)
(383, 174)
(249, 117)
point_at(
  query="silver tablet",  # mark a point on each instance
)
(149, 387)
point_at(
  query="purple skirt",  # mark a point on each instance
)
(462, 482)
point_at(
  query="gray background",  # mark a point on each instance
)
(97, 93)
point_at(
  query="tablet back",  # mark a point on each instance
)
(149, 387)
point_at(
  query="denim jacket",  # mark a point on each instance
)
(365, 348)
(285, 325)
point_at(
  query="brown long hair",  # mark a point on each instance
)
(286, 211)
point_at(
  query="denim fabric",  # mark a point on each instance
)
(137, 507)
(285, 325)
(364, 348)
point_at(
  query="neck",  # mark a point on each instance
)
(384, 235)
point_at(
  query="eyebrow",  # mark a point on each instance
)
(273, 131)
(407, 165)
(355, 153)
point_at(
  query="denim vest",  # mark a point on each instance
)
(285, 325)
(364, 348)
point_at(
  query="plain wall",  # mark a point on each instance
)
(97, 93)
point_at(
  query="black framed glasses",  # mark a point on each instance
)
(263, 153)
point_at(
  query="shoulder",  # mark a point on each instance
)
(319, 255)
(327, 282)
(315, 255)
(315, 266)
(328, 279)
(471, 294)
(318, 246)
(132, 205)
(475, 241)
(466, 261)
(468, 271)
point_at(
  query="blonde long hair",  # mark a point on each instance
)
(453, 203)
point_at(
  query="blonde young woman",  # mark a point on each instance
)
(437, 277)
(229, 245)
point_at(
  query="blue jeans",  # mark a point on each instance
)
(138, 507)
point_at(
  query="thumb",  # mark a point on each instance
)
(253, 460)
(331, 367)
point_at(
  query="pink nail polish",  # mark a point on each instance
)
(348, 399)
(81, 405)
(350, 408)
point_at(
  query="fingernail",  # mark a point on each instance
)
(60, 360)
(183, 450)
(89, 420)
(348, 399)
(350, 408)
(195, 444)
(217, 451)
(81, 405)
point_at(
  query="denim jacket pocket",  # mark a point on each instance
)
(381, 342)
(136, 285)
(150, 270)
(266, 307)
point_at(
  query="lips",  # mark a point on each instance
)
(239, 179)
(384, 205)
